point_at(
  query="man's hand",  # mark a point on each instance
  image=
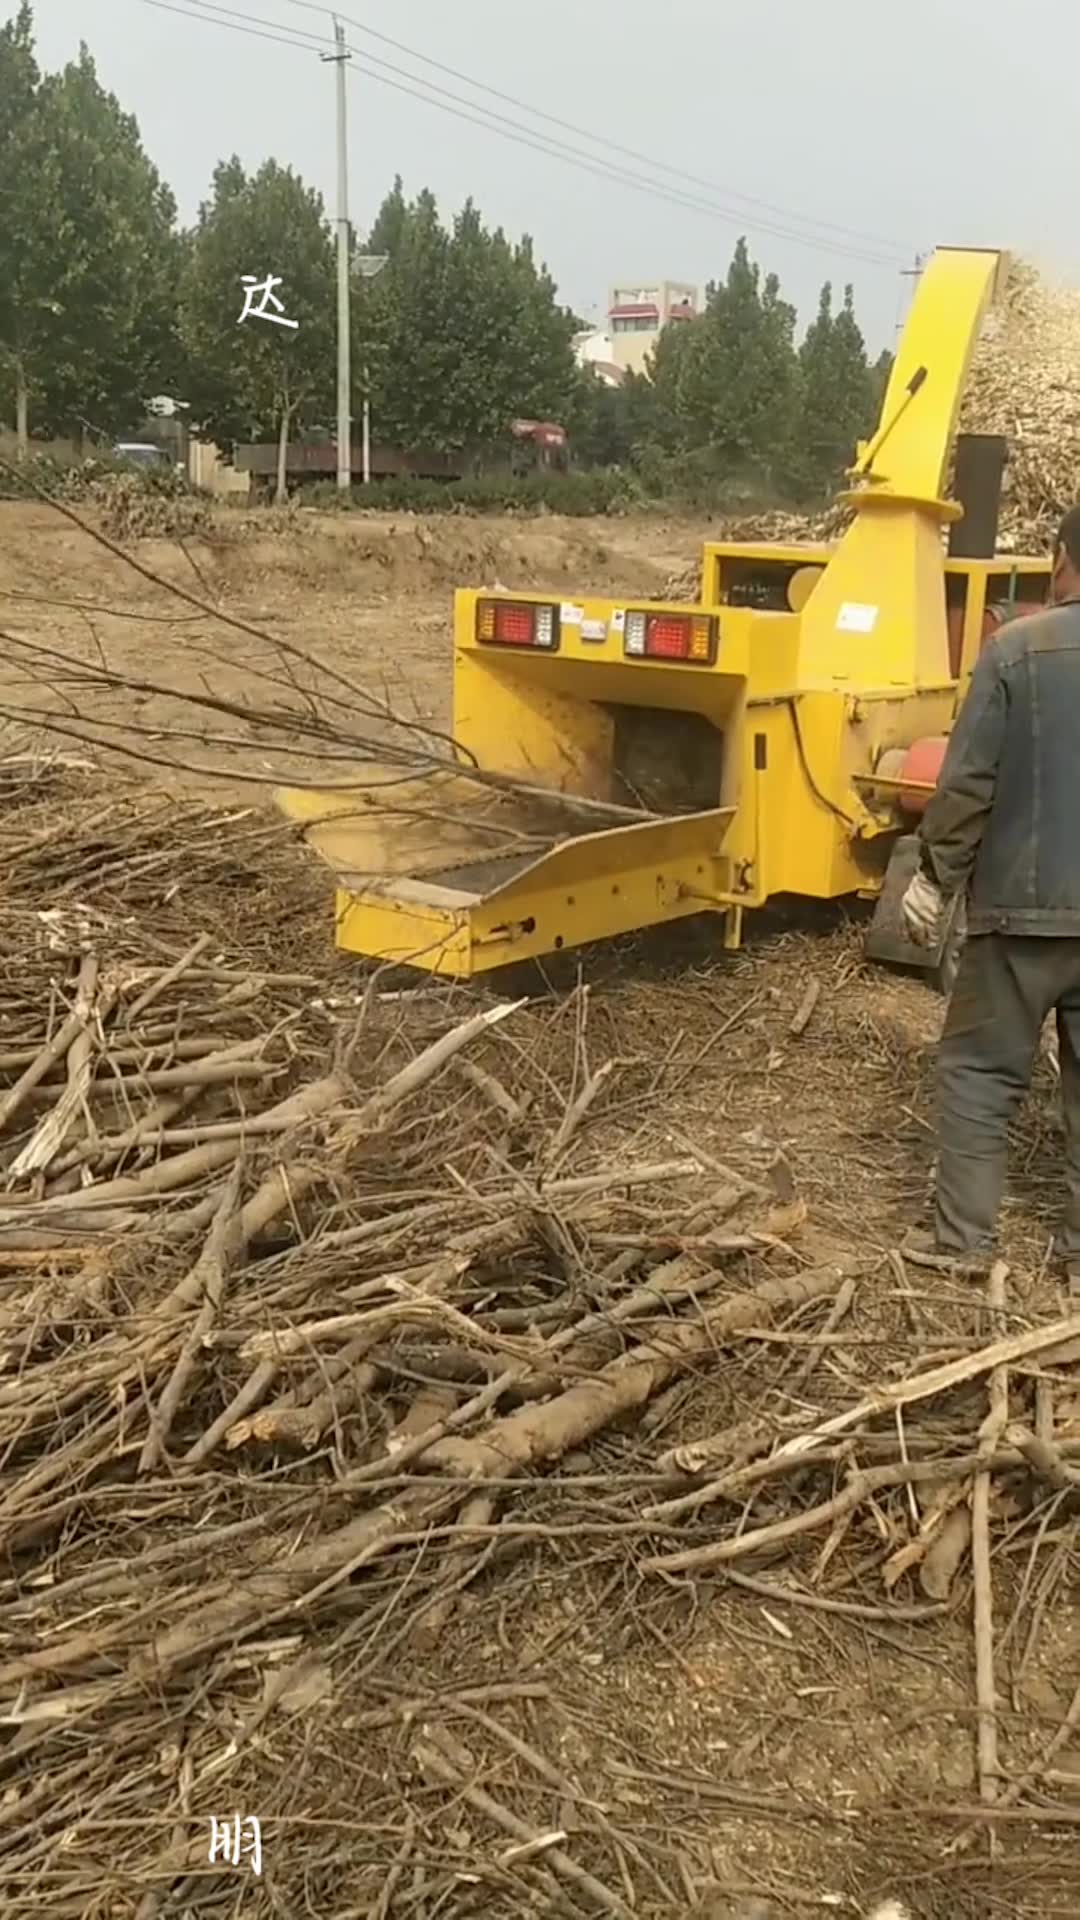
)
(922, 907)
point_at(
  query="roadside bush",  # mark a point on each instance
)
(43, 470)
(578, 495)
(133, 501)
(659, 483)
(73, 479)
(697, 482)
(134, 505)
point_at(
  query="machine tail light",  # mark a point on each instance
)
(671, 636)
(517, 623)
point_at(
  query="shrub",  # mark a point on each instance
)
(578, 495)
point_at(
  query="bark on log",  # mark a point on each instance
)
(534, 1434)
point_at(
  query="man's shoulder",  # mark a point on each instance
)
(1050, 630)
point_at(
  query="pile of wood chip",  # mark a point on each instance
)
(777, 528)
(1025, 384)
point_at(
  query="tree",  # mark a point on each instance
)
(30, 256)
(114, 344)
(598, 422)
(726, 382)
(730, 399)
(390, 222)
(639, 410)
(462, 332)
(539, 376)
(404, 325)
(837, 395)
(258, 378)
(880, 375)
(88, 251)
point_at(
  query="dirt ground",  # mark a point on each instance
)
(816, 1757)
(364, 594)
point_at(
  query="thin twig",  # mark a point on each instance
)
(990, 1434)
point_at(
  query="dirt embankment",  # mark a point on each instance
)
(364, 554)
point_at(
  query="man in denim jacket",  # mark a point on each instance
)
(1004, 827)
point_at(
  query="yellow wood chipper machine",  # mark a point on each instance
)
(775, 738)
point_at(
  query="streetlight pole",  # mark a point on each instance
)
(344, 396)
(368, 265)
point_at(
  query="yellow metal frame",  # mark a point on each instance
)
(589, 887)
(1011, 570)
(805, 700)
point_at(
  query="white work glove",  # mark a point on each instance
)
(922, 907)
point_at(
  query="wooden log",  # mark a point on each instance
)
(47, 1057)
(535, 1434)
(925, 1386)
(209, 1273)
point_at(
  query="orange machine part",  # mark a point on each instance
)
(922, 764)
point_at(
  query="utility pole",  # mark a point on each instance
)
(368, 265)
(344, 396)
(903, 299)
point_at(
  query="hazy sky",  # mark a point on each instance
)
(933, 121)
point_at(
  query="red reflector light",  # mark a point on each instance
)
(667, 637)
(670, 636)
(517, 623)
(513, 625)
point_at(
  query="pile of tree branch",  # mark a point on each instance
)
(245, 1223)
(325, 1303)
(302, 721)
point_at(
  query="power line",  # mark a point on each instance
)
(166, 6)
(631, 153)
(604, 169)
(498, 124)
(545, 144)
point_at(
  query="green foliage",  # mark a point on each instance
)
(123, 260)
(730, 414)
(88, 250)
(391, 221)
(836, 397)
(39, 471)
(246, 381)
(693, 482)
(726, 381)
(103, 303)
(31, 264)
(578, 495)
(598, 422)
(77, 478)
(880, 375)
(461, 333)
